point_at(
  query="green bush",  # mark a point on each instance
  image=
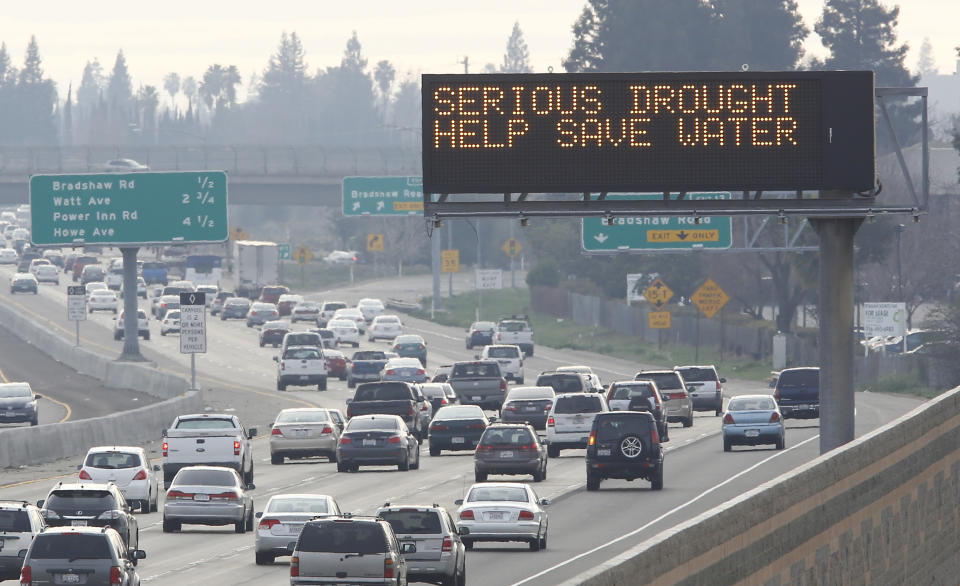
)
(545, 274)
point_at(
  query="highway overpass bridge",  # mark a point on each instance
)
(279, 174)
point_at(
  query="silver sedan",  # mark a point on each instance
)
(302, 432)
(208, 495)
(282, 520)
(503, 511)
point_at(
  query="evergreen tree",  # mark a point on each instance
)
(66, 135)
(36, 102)
(120, 99)
(346, 103)
(32, 72)
(8, 73)
(148, 99)
(353, 55)
(8, 88)
(764, 34)
(926, 65)
(286, 75)
(383, 74)
(89, 94)
(517, 57)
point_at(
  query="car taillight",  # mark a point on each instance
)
(443, 401)
(391, 371)
(176, 494)
(476, 426)
(526, 447)
(294, 567)
(421, 371)
(349, 412)
(26, 576)
(548, 406)
(276, 431)
(326, 429)
(467, 515)
(503, 384)
(774, 417)
(509, 408)
(425, 405)
(394, 440)
(142, 475)
(283, 366)
(438, 427)
(165, 447)
(447, 544)
(551, 422)
(680, 395)
(236, 448)
(728, 418)
(84, 476)
(593, 438)
(525, 516)
(345, 440)
(776, 395)
(410, 410)
(225, 496)
(388, 567)
(267, 523)
(421, 347)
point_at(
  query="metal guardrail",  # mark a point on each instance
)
(246, 160)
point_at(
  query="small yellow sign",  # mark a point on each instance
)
(374, 242)
(238, 234)
(512, 247)
(696, 235)
(408, 206)
(658, 294)
(659, 320)
(710, 298)
(302, 255)
(450, 260)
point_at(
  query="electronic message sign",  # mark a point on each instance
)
(609, 132)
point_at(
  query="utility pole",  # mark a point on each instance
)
(466, 64)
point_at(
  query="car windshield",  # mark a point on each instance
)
(408, 521)
(342, 324)
(333, 306)
(498, 493)
(306, 416)
(434, 391)
(14, 520)
(274, 290)
(71, 546)
(276, 325)
(112, 460)
(630, 391)
(307, 305)
(460, 412)
(611, 428)
(578, 404)
(205, 424)
(510, 436)
(513, 326)
(799, 378)
(13, 391)
(475, 370)
(263, 307)
(751, 404)
(696, 374)
(503, 352)
(369, 355)
(205, 477)
(388, 320)
(483, 326)
(302, 354)
(382, 392)
(561, 383)
(408, 340)
(79, 500)
(237, 302)
(298, 505)
(342, 537)
(372, 424)
(304, 339)
(665, 381)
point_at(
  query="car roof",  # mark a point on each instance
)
(48, 530)
(83, 486)
(24, 505)
(103, 449)
(575, 368)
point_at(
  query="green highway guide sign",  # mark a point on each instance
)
(657, 232)
(129, 208)
(382, 196)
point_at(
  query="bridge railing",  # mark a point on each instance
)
(249, 160)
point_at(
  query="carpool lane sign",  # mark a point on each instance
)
(76, 303)
(193, 323)
(129, 208)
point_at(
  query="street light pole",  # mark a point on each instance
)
(900, 229)
(480, 263)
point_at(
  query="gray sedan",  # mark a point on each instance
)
(377, 440)
(284, 517)
(208, 495)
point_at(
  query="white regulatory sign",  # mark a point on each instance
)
(884, 319)
(76, 303)
(489, 279)
(193, 323)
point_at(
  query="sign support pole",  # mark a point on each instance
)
(696, 348)
(513, 280)
(131, 340)
(78, 334)
(435, 261)
(193, 371)
(836, 331)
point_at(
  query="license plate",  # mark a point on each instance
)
(477, 398)
(304, 377)
(201, 497)
(529, 408)
(496, 516)
(603, 451)
(78, 523)
(70, 578)
(752, 432)
(301, 433)
(458, 440)
(369, 442)
(506, 454)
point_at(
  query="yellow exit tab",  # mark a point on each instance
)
(407, 206)
(683, 236)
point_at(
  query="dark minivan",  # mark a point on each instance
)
(797, 392)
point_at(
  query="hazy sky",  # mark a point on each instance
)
(417, 36)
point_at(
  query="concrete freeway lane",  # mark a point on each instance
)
(239, 375)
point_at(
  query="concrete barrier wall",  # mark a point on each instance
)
(884, 509)
(45, 443)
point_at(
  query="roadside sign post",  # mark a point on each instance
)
(76, 306)
(658, 294)
(193, 329)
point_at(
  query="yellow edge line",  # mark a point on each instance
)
(62, 404)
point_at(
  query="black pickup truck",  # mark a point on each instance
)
(390, 398)
(365, 365)
(797, 392)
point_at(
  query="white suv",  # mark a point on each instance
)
(20, 522)
(143, 325)
(570, 421)
(129, 468)
(510, 358)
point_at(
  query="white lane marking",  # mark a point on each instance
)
(663, 516)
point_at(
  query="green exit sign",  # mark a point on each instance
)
(129, 208)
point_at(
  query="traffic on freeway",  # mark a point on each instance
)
(243, 492)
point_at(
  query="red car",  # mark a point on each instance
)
(336, 363)
(287, 302)
(272, 293)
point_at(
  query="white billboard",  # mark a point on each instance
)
(884, 319)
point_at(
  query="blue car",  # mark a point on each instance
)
(411, 346)
(404, 369)
(753, 420)
(480, 333)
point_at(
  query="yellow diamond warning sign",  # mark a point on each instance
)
(710, 298)
(659, 320)
(658, 293)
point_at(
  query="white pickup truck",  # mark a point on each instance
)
(208, 439)
(510, 358)
(301, 365)
(515, 329)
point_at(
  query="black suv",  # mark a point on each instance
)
(90, 504)
(624, 445)
(80, 555)
(510, 448)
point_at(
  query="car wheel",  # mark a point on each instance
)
(332, 457)
(250, 520)
(727, 446)
(468, 543)
(155, 505)
(781, 442)
(434, 451)
(144, 505)
(34, 422)
(170, 526)
(322, 385)
(553, 451)
(469, 346)
(351, 383)
(405, 465)
(163, 333)
(538, 476)
(91, 310)
(543, 542)
(341, 467)
(656, 483)
(519, 381)
(117, 335)
(416, 465)
(263, 558)
(261, 343)
(276, 458)
(342, 377)
(146, 336)
(240, 526)
(535, 544)
(356, 344)
(281, 386)
(688, 422)
(593, 482)
(480, 476)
